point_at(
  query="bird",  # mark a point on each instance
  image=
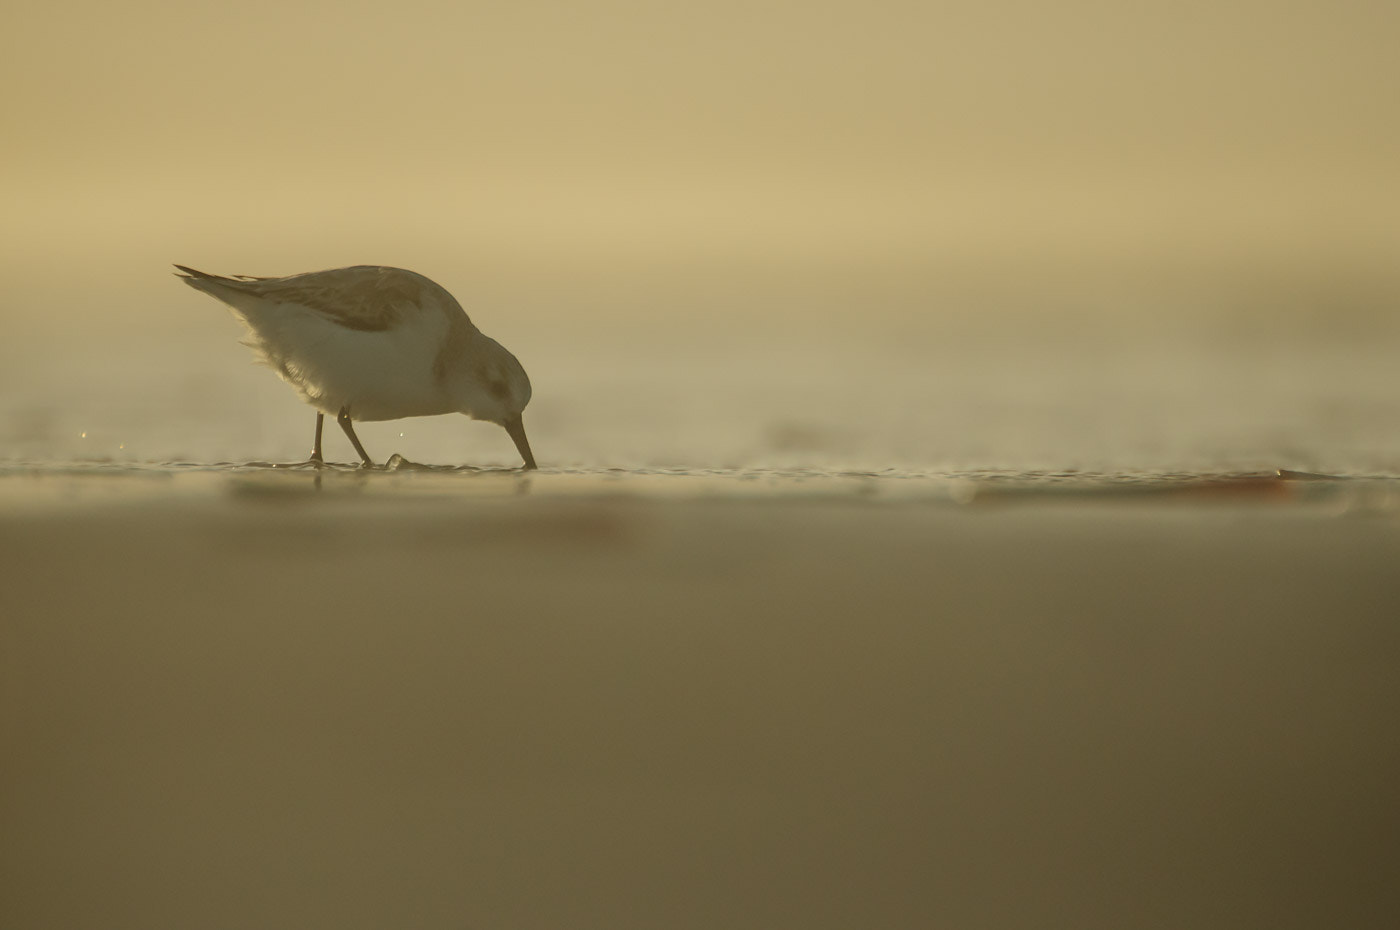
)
(370, 342)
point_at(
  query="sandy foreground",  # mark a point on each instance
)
(234, 701)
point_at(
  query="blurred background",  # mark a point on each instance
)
(827, 234)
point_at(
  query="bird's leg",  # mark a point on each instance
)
(344, 421)
(316, 449)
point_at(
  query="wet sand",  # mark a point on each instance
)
(469, 701)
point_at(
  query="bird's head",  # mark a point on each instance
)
(497, 389)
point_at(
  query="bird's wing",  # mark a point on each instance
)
(369, 298)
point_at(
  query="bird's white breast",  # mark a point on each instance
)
(377, 374)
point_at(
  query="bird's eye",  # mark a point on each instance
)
(498, 388)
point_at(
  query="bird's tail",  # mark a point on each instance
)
(231, 291)
(201, 279)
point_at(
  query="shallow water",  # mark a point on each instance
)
(78, 485)
(246, 695)
(905, 396)
(822, 633)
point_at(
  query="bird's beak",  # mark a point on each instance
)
(516, 427)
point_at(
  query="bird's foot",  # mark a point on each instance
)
(398, 463)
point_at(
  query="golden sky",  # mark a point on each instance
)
(273, 137)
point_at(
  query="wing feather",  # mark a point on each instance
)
(368, 298)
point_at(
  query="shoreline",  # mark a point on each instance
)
(231, 699)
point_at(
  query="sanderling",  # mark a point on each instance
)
(374, 343)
